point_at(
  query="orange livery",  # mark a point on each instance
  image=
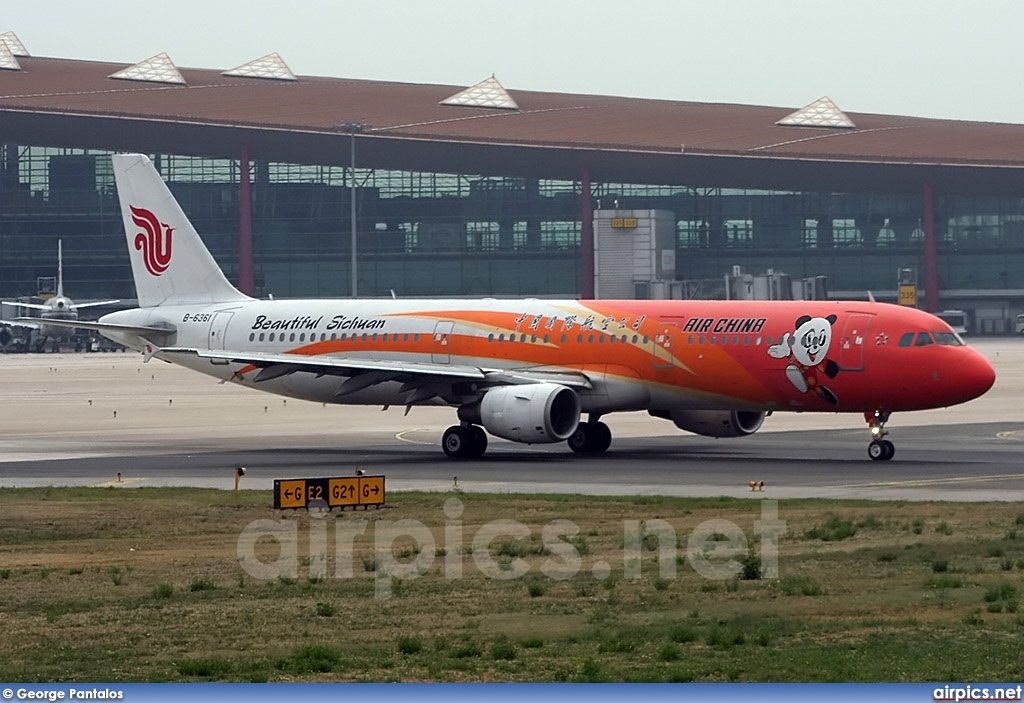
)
(534, 371)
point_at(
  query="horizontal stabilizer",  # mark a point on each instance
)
(29, 322)
(139, 330)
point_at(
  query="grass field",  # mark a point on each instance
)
(109, 584)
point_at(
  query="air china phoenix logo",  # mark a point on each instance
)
(154, 242)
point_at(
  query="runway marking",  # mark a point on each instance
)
(933, 481)
(1016, 435)
(401, 436)
(118, 484)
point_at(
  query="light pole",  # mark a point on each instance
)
(353, 128)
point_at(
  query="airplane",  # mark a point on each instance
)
(59, 307)
(529, 370)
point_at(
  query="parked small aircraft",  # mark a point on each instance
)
(528, 370)
(59, 307)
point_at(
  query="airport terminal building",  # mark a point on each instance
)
(439, 190)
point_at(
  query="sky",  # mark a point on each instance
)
(951, 59)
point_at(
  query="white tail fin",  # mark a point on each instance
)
(170, 263)
(60, 268)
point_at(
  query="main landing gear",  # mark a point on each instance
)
(879, 449)
(591, 437)
(464, 441)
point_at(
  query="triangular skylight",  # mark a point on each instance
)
(14, 44)
(820, 113)
(487, 93)
(156, 69)
(270, 66)
(7, 60)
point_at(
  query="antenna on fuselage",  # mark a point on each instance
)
(871, 297)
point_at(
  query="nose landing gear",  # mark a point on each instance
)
(879, 449)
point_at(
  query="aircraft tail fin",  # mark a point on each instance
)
(60, 268)
(170, 263)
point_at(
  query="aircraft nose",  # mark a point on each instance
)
(975, 376)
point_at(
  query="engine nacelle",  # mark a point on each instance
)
(6, 335)
(715, 423)
(533, 413)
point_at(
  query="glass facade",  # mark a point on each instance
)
(441, 234)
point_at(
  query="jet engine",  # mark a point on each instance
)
(533, 413)
(6, 335)
(714, 423)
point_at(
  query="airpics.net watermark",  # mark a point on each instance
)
(403, 550)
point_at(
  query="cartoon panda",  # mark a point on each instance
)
(806, 348)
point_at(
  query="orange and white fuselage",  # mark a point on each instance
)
(527, 370)
(637, 354)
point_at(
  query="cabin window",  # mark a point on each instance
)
(711, 339)
(415, 338)
(252, 336)
(272, 336)
(590, 339)
(757, 341)
(302, 337)
(262, 336)
(611, 339)
(533, 338)
(646, 339)
(579, 339)
(385, 337)
(547, 338)
(736, 339)
(490, 338)
(924, 339)
(746, 340)
(600, 339)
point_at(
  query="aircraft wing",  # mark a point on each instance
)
(364, 373)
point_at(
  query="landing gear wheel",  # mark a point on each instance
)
(881, 450)
(590, 438)
(464, 442)
(602, 437)
(890, 449)
(477, 443)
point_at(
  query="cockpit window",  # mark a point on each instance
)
(907, 339)
(948, 339)
(924, 339)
